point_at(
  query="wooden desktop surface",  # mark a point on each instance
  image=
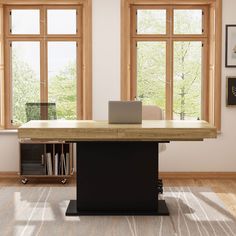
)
(89, 130)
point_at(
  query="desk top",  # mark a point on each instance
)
(149, 130)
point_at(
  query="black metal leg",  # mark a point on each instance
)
(117, 178)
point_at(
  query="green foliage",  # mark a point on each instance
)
(62, 91)
(151, 74)
(26, 88)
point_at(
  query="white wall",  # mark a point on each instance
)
(9, 152)
(106, 55)
(210, 155)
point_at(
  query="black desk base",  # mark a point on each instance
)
(117, 178)
(72, 211)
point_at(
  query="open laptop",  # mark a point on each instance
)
(120, 112)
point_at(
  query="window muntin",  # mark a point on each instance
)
(25, 21)
(151, 21)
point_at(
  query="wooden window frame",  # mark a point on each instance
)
(83, 38)
(211, 38)
(2, 117)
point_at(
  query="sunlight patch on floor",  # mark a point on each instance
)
(29, 211)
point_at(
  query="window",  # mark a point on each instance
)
(168, 57)
(45, 60)
(185, 44)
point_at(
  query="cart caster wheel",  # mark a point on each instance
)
(64, 181)
(24, 181)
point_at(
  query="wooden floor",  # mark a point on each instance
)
(224, 188)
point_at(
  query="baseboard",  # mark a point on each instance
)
(198, 175)
(15, 174)
(163, 175)
(9, 174)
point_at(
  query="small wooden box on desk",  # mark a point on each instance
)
(41, 159)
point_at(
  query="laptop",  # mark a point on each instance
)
(120, 112)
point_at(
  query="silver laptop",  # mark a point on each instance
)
(125, 112)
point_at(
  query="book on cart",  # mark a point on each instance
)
(62, 168)
(56, 161)
(67, 163)
(49, 163)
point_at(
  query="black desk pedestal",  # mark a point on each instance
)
(117, 178)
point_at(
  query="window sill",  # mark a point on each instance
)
(8, 131)
(219, 132)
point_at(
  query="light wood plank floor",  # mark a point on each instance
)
(224, 188)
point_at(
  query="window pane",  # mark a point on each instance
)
(187, 21)
(25, 73)
(187, 80)
(151, 73)
(61, 21)
(151, 21)
(25, 21)
(62, 78)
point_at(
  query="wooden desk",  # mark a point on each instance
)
(101, 130)
(117, 165)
